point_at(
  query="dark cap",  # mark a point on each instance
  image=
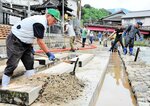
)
(140, 23)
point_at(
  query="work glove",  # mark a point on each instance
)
(51, 56)
(32, 50)
(140, 38)
(124, 34)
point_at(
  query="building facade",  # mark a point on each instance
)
(133, 17)
(73, 5)
(113, 19)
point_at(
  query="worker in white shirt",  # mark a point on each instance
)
(70, 31)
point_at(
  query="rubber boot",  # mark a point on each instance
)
(110, 49)
(83, 45)
(5, 80)
(100, 43)
(131, 50)
(125, 50)
(29, 73)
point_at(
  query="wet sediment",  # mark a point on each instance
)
(56, 89)
(116, 88)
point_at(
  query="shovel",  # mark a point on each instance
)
(75, 65)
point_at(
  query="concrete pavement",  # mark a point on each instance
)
(92, 74)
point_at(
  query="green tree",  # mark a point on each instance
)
(90, 14)
(87, 6)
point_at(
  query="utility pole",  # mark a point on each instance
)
(63, 16)
(79, 9)
(1, 11)
(29, 9)
(64, 46)
(80, 12)
(0, 6)
(11, 4)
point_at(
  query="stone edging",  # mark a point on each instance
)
(139, 79)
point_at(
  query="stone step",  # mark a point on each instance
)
(83, 59)
(59, 69)
(19, 94)
(19, 70)
(27, 94)
(43, 59)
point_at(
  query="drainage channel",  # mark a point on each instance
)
(115, 90)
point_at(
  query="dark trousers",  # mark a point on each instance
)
(83, 42)
(91, 39)
(16, 51)
(116, 40)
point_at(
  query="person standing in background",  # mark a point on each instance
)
(100, 37)
(91, 37)
(105, 38)
(70, 31)
(84, 35)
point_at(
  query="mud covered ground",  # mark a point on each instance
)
(139, 78)
(56, 89)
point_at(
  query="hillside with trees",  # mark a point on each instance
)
(90, 14)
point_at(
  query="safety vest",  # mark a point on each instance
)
(24, 29)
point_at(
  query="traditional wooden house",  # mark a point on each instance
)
(113, 19)
(133, 17)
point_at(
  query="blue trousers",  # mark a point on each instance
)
(129, 41)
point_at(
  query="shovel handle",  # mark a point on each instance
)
(137, 52)
(75, 65)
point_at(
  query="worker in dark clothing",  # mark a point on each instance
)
(118, 33)
(19, 42)
(130, 34)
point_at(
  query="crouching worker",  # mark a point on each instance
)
(19, 42)
(118, 37)
(130, 34)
